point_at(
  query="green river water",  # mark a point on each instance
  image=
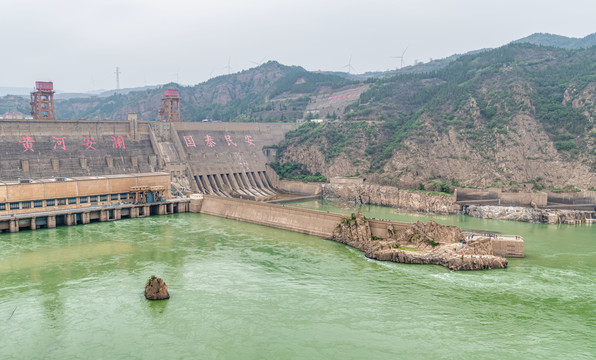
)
(242, 291)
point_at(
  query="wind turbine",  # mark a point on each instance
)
(259, 63)
(349, 65)
(228, 67)
(401, 57)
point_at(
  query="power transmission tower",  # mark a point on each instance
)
(228, 67)
(117, 79)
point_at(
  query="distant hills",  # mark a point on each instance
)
(519, 117)
(559, 41)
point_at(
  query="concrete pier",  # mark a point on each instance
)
(85, 215)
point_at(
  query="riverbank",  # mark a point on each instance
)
(446, 204)
(372, 194)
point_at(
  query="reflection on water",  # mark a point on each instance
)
(245, 291)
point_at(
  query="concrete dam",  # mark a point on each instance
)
(74, 172)
(224, 159)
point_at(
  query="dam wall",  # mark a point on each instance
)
(314, 222)
(224, 159)
(38, 149)
(306, 221)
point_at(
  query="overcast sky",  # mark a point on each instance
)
(78, 44)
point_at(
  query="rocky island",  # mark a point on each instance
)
(420, 243)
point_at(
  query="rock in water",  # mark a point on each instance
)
(156, 289)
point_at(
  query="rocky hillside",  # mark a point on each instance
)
(519, 117)
(271, 92)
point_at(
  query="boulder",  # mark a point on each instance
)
(156, 289)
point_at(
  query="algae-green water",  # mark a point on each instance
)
(243, 291)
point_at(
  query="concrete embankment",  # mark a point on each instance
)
(533, 215)
(390, 196)
(327, 225)
(306, 221)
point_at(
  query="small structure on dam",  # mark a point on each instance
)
(170, 106)
(42, 101)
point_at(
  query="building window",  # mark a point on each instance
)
(93, 199)
(38, 203)
(124, 196)
(50, 202)
(103, 198)
(26, 205)
(72, 201)
(114, 197)
(14, 205)
(2, 206)
(83, 199)
(61, 202)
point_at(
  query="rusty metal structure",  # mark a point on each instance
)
(42, 101)
(170, 106)
(147, 194)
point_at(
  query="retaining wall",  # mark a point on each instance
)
(300, 187)
(524, 199)
(306, 221)
(584, 197)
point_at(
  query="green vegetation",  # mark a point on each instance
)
(430, 192)
(405, 248)
(149, 280)
(352, 219)
(566, 189)
(431, 242)
(415, 236)
(296, 171)
(331, 138)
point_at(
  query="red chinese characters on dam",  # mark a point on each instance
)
(59, 143)
(27, 143)
(229, 140)
(209, 141)
(118, 142)
(189, 141)
(88, 142)
(249, 140)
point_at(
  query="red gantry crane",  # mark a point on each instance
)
(170, 106)
(42, 101)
